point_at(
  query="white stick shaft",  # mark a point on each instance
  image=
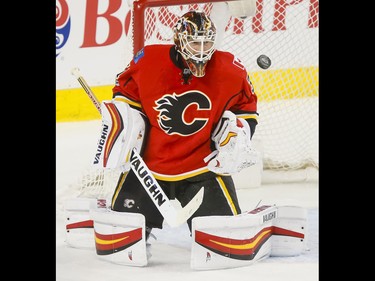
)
(172, 216)
(86, 87)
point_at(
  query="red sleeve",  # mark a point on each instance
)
(246, 106)
(126, 87)
(246, 103)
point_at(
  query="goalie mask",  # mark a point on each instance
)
(194, 37)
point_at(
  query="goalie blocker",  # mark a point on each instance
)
(123, 128)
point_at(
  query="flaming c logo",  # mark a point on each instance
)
(184, 114)
(62, 25)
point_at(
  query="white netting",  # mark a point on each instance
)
(95, 183)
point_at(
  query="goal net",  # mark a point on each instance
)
(284, 30)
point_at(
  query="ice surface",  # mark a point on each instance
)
(170, 260)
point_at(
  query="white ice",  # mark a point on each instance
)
(171, 251)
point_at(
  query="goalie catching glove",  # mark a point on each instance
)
(234, 150)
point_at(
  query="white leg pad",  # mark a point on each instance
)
(289, 232)
(235, 241)
(232, 241)
(79, 225)
(120, 238)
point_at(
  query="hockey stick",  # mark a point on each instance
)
(85, 86)
(174, 217)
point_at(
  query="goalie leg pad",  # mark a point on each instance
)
(120, 238)
(232, 241)
(289, 232)
(123, 128)
(241, 240)
(79, 225)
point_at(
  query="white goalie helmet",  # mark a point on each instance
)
(195, 37)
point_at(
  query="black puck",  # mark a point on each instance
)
(263, 61)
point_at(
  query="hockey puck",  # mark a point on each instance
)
(263, 61)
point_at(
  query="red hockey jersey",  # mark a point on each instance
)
(182, 115)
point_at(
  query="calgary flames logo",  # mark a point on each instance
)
(183, 114)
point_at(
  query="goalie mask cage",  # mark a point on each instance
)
(287, 32)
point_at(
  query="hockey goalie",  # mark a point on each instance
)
(179, 125)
